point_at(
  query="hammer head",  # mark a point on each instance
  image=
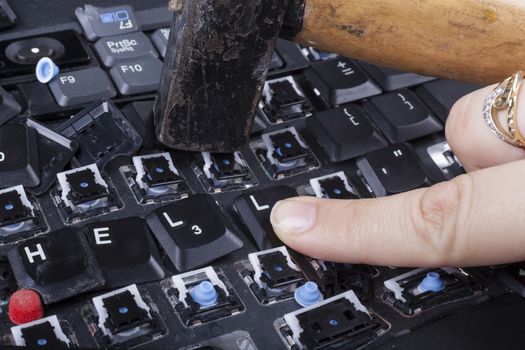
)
(218, 56)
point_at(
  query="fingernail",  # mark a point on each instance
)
(290, 216)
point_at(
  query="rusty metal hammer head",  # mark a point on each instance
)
(218, 55)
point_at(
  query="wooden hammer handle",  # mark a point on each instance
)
(481, 41)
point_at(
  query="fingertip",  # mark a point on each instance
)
(293, 216)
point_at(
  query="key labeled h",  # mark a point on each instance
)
(32, 254)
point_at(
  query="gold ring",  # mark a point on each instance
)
(504, 99)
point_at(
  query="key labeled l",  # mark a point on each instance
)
(257, 206)
(171, 222)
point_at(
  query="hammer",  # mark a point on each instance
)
(219, 52)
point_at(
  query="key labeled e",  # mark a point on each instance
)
(102, 236)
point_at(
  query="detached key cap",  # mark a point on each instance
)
(137, 77)
(125, 251)
(57, 266)
(19, 163)
(81, 86)
(9, 108)
(125, 47)
(401, 115)
(193, 231)
(392, 170)
(345, 132)
(339, 80)
(440, 95)
(255, 208)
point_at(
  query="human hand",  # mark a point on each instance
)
(475, 219)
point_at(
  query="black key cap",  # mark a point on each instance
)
(125, 47)
(140, 116)
(137, 77)
(255, 208)
(100, 22)
(392, 170)
(81, 86)
(258, 123)
(9, 108)
(392, 79)
(160, 40)
(19, 163)
(276, 61)
(125, 251)
(57, 266)
(401, 115)
(293, 59)
(7, 16)
(440, 95)
(102, 133)
(193, 231)
(345, 132)
(339, 81)
(54, 153)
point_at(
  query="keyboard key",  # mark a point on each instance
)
(140, 116)
(401, 115)
(392, 79)
(9, 108)
(99, 22)
(57, 266)
(125, 47)
(440, 95)
(193, 231)
(137, 77)
(276, 61)
(292, 58)
(19, 163)
(102, 133)
(22, 54)
(81, 86)
(345, 132)
(125, 251)
(438, 160)
(339, 81)
(54, 153)
(160, 40)
(392, 170)
(254, 209)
